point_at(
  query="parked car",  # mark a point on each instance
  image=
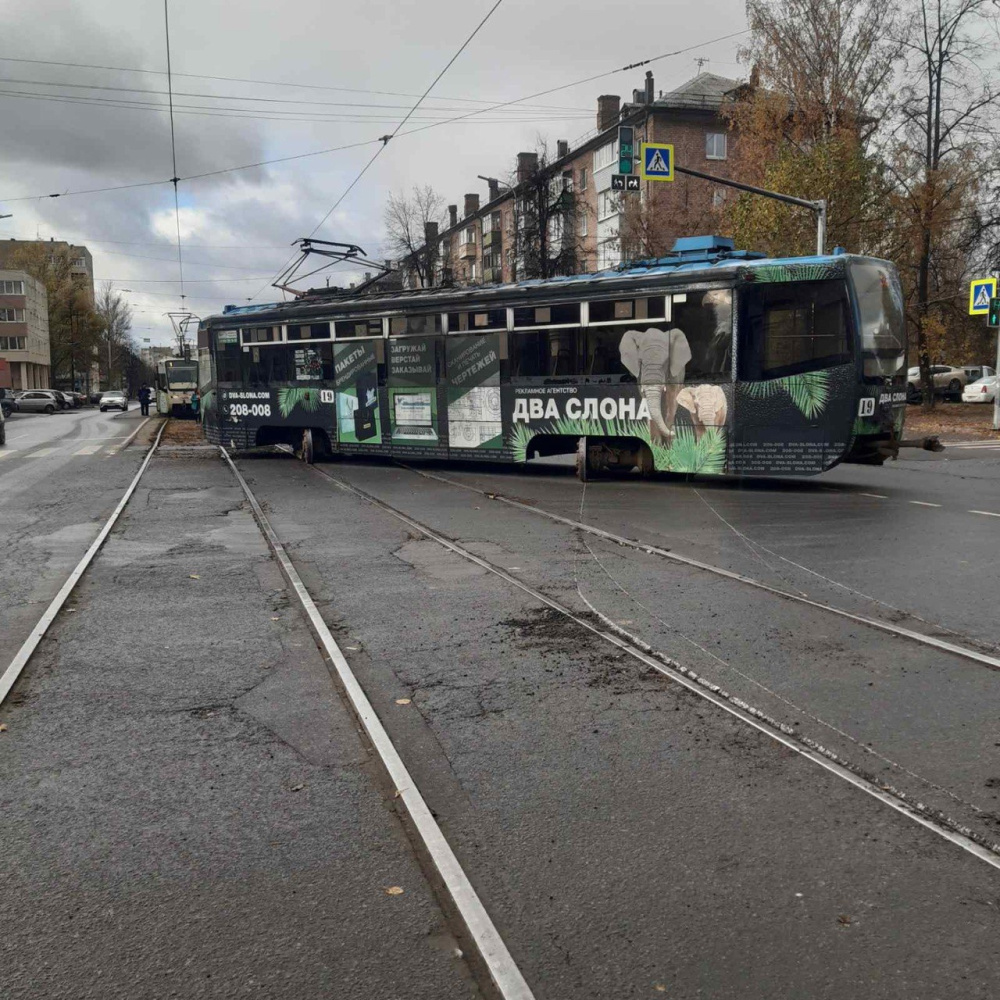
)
(983, 390)
(975, 372)
(948, 381)
(69, 398)
(95, 397)
(38, 401)
(114, 399)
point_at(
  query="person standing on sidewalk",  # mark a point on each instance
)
(144, 399)
(195, 404)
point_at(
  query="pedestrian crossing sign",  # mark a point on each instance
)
(657, 161)
(981, 290)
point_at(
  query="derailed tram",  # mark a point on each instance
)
(710, 360)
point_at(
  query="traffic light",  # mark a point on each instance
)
(993, 318)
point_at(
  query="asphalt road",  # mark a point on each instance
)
(60, 478)
(627, 837)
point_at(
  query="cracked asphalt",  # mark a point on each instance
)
(190, 810)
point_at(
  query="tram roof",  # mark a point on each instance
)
(701, 262)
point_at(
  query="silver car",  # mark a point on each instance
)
(948, 381)
(37, 401)
(114, 399)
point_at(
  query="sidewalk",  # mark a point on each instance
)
(189, 810)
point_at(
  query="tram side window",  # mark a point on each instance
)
(227, 358)
(792, 327)
(262, 366)
(706, 319)
(312, 331)
(311, 364)
(546, 353)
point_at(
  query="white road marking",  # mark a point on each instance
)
(41, 453)
(90, 449)
(988, 513)
(874, 496)
(28, 647)
(509, 981)
(924, 503)
(641, 651)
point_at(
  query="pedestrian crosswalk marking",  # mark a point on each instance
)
(89, 449)
(41, 453)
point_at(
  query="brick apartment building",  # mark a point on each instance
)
(494, 242)
(24, 330)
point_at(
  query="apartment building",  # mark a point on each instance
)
(24, 330)
(81, 263)
(560, 216)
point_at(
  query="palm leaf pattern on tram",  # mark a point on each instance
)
(288, 399)
(809, 391)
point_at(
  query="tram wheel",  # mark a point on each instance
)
(306, 451)
(582, 469)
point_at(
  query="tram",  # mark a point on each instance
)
(176, 379)
(709, 360)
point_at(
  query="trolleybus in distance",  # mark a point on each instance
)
(709, 360)
(176, 379)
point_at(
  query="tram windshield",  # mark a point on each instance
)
(182, 376)
(880, 305)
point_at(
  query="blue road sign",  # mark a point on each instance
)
(657, 161)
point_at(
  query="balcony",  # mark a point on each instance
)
(491, 239)
(467, 251)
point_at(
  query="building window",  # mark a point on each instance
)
(607, 205)
(605, 156)
(79, 262)
(715, 145)
(583, 179)
(583, 222)
(473, 272)
(468, 236)
(12, 343)
(11, 288)
(11, 315)
(718, 198)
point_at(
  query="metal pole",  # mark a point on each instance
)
(820, 226)
(819, 207)
(996, 384)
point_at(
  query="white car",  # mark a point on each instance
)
(983, 390)
(115, 398)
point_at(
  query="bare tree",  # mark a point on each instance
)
(943, 159)
(546, 222)
(116, 346)
(405, 218)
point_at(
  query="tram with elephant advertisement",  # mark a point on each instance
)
(710, 360)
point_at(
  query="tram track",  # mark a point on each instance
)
(15, 668)
(604, 628)
(968, 652)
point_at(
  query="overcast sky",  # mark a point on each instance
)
(236, 226)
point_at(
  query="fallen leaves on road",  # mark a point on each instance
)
(276, 618)
(193, 576)
(394, 890)
(3, 727)
(402, 701)
(844, 919)
(297, 788)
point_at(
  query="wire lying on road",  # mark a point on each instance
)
(931, 819)
(941, 645)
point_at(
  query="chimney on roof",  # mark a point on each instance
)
(527, 166)
(649, 86)
(430, 232)
(638, 96)
(608, 110)
(494, 186)
(471, 205)
(388, 264)
(452, 215)
(562, 148)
